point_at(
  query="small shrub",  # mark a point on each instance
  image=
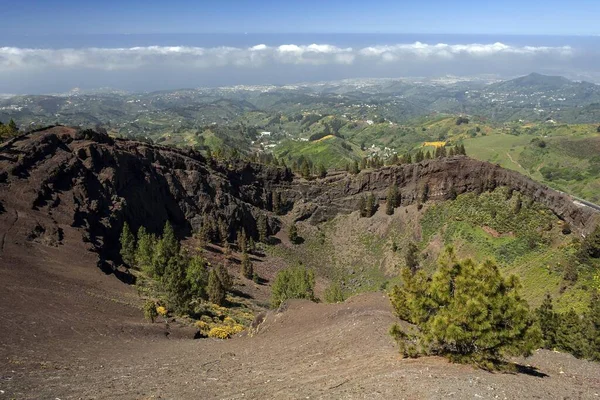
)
(292, 283)
(333, 293)
(150, 312)
(293, 233)
(203, 327)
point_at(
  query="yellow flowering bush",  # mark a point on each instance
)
(203, 327)
(229, 321)
(219, 332)
(162, 311)
(225, 331)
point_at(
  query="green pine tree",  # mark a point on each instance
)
(362, 205)
(166, 248)
(412, 257)
(127, 245)
(175, 283)
(570, 334)
(197, 277)
(247, 267)
(12, 126)
(224, 277)
(262, 227)
(216, 293)
(392, 199)
(293, 233)
(370, 206)
(548, 320)
(145, 250)
(322, 172)
(467, 312)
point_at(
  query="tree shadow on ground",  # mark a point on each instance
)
(241, 294)
(529, 370)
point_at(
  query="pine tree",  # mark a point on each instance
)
(363, 163)
(592, 327)
(590, 247)
(242, 241)
(277, 202)
(467, 312)
(428, 155)
(305, 171)
(247, 267)
(425, 193)
(166, 248)
(518, 205)
(322, 172)
(420, 156)
(370, 206)
(569, 334)
(12, 126)
(392, 199)
(223, 231)
(207, 230)
(197, 277)
(452, 195)
(127, 245)
(175, 283)
(362, 205)
(293, 233)
(262, 227)
(548, 320)
(225, 278)
(215, 291)
(354, 168)
(412, 258)
(145, 250)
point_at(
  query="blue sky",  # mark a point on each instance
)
(559, 17)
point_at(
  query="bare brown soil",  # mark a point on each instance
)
(71, 332)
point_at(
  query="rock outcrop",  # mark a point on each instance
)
(87, 180)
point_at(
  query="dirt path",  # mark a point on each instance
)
(515, 162)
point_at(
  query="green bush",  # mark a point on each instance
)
(150, 310)
(292, 283)
(334, 293)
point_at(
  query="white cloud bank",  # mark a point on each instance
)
(113, 59)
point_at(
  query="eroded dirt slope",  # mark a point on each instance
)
(306, 351)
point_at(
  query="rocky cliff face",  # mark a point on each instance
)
(65, 177)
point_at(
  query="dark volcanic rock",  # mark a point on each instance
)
(90, 181)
